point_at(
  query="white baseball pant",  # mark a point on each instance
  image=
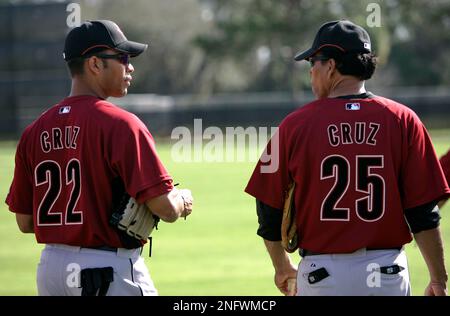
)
(361, 273)
(58, 272)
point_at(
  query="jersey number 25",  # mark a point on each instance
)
(369, 208)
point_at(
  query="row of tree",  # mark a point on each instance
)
(209, 46)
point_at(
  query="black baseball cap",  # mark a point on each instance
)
(99, 34)
(342, 35)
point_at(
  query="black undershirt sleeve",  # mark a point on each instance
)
(423, 217)
(269, 220)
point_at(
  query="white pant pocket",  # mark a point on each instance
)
(315, 281)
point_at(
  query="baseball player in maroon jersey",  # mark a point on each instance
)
(77, 160)
(445, 164)
(367, 180)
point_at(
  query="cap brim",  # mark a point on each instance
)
(131, 48)
(304, 55)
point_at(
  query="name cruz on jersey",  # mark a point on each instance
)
(359, 133)
(59, 138)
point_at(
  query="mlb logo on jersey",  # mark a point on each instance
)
(352, 106)
(64, 110)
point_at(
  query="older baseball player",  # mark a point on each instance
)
(367, 179)
(77, 160)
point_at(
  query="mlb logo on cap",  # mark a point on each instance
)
(64, 110)
(352, 106)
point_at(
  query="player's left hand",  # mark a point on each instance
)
(188, 201)
(436, 289)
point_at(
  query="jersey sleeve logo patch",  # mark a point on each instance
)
(352, 106)
(64, 110)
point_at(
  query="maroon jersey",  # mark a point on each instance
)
(357, 165)
(73, 161)
(445, 163)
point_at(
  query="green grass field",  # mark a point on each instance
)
(214, 252)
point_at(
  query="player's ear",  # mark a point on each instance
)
(331, 67)
(94, 65)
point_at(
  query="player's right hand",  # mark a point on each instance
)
(283, 280)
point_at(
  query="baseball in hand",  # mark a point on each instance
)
(188, 200)
(292, 287)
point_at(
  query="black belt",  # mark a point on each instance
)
(104, 248)
(305, 252)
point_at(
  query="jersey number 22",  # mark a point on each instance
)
(49, 172)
